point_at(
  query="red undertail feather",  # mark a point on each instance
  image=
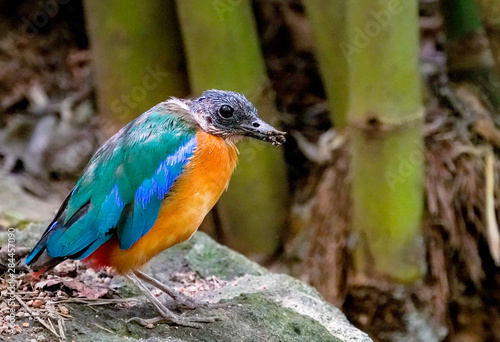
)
(101, 257)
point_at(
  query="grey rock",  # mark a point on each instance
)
(257, 305)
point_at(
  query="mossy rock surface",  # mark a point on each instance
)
(258, 305)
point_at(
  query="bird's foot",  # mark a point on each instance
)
(180, 300)
(166, 315)
(181, 320)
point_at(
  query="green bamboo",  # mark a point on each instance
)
(462, 18)
(137, 54)
(328, 23)
(385, 113)
(470, 57)
(223, 52)
(490, 12)
(464, 31)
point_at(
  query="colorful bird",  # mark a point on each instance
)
(150, 186)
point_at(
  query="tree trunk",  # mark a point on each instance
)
(223, 52)
(138, 56)
(385, 113)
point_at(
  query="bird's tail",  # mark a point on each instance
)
(38, 259)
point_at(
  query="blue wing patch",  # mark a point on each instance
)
(151, 193)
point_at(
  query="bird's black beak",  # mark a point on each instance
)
(261, 130)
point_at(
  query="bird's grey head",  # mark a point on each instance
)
(230, 115)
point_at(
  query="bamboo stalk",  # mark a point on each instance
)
(223, 52)
(490, 13)
(328, 22)
(137, 54)
(385, 113)
(470, 57)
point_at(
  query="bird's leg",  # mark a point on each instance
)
(158, 284)
(181, 299)
(166, 315)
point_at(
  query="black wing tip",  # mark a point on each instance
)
(42, 261)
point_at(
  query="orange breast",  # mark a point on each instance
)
(194, 193)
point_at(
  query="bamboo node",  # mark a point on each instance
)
(374, 126)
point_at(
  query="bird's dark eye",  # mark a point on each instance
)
(226, 111)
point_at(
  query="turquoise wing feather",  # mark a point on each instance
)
(122, 188)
